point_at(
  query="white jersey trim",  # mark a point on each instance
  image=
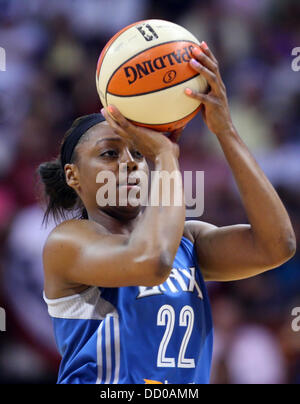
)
(112, 361)
(87, 305)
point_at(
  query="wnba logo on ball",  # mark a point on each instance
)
(2, 319)
(2, 60)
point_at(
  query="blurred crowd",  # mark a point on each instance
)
(52, 49)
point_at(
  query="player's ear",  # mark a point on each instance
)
(72, 176)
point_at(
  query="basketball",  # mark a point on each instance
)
(144, 69)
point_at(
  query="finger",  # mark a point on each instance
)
(112, 123)
(199, 55)
(210, 77)
(109, 119)
(117, 116)
(208, 52)
(204, 98)
(120, 126)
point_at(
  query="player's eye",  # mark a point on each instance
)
(109, 153)
(136, 154)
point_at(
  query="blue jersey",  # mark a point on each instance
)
(137, 335)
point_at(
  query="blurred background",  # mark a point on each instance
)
(52, 49)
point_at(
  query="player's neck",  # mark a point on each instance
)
(115, 221)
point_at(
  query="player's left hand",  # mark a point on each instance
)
(215, 109)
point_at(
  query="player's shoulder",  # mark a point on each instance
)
(73, 227)
(65, 240)
(196, 229)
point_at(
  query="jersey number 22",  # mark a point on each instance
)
(166, 317)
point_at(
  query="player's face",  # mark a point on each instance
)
(109, 172)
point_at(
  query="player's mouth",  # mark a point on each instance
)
(131, 182)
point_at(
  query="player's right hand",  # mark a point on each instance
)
(149, 142)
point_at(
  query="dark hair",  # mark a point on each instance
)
(60, 198)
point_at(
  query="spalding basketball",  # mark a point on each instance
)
(144, 69)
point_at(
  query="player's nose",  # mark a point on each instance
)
(128, 163)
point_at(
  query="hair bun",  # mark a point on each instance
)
(59, 195)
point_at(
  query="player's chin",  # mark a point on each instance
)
(130, 203)
(122, 212)
(127, 205)
(129, 211)
(130, 196)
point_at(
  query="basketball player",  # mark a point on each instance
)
(125, 286)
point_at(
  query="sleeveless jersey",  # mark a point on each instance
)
(137, 335)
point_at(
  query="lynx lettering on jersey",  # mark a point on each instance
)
(140, 70)
(186, 281)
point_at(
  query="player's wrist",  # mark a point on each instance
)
(226, 131)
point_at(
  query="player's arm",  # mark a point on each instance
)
(240, 251)
(79, 253)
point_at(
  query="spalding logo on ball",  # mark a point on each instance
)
(144, 69)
